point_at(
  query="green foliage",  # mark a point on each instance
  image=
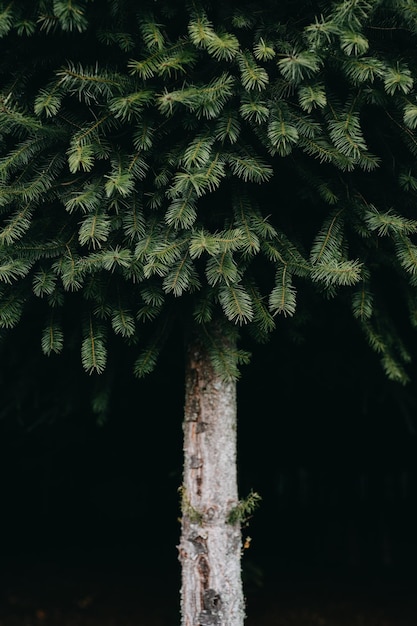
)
(204, 162)
(123, 322)
(362, 299)
(312, 96)
(52, 339)
(236, 303)
(398, 78)
(389, 223)
(44, 283)
(93, 348)
(253, 76)
(11, 308)
(299, 65)
(385, 341)
(147, 360)
(70, 15)
(244, 510)
(282, 298)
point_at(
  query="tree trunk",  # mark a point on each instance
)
(210, 546)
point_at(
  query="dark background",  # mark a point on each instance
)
(325, 439)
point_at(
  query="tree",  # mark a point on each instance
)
(188, 168)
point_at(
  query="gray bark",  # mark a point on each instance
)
(210, 547)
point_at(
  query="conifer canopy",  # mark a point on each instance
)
(207, 161)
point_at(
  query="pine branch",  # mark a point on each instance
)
(227, 128)
(263, 51)
(133, 220)
(87, 199)
(52, 339)
(174, 59)
(93, 349)
(299, 65)
(70, 270)
(253, 76)
(328, 242)
(362, 300)
(130, 107)
(250, 168)
(11, 308)
(353, 42)
(398, 78)
(222, 269)
(90, 84)
(182, 277)
(17, 225)
(406, 253)
(70, 15)
(12, 269)
(282, 298)
(94, 230)
(123, 322)
(224, 355)
(151, 32)
(263, 321)
(253, 108)
(282, 135)
(205, 101)
(332, 272)
(388, 223)
(312, 96)
(44, 283)
(236, 303)
(363, 69)
(182, 211)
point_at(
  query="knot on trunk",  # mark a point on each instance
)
(195, 462)
(212, 603)
(211, 514)
(199, 543)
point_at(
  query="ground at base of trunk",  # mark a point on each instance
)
(46, 595)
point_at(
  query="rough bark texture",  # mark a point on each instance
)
(210, 547)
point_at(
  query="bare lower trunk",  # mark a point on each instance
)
(210, 546)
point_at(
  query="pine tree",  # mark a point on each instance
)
(195, 165)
